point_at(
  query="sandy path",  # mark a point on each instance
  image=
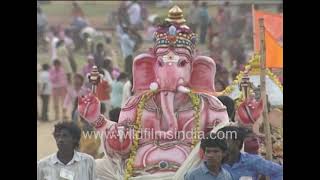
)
(45, 142)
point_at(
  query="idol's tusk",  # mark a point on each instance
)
(153, 86)
(183, 89)
(121, 133)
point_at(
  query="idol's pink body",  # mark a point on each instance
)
(172, 71)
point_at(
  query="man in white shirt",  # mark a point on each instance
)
(53, 43)
(126, 91)
(126, 43)
(70, 46)
(42, 23)
(45, 90)
(107, 66)
(127, 46)
(194, 16)
(134, 12)
(67, 163)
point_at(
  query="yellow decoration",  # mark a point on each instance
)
(196, 106)
(175, 15)
(254, 69)
(137, 126)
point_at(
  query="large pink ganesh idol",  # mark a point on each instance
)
(173, 100)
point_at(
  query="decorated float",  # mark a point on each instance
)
(246, 92)
(157, 135)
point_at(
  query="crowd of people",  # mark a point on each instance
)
(62, 80)
(227, 37)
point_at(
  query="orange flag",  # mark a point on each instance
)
(274, 52)
(273, 23)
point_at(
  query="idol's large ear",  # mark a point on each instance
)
(143, 72)
(203, 74)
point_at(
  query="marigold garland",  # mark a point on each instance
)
(137, 126)
(195, 100)
(254, 68)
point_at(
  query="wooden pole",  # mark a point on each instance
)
(253, 28)
(268, 142)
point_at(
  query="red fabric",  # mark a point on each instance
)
(201, 154)
(255, 108)
(114, 143)
(103, 91)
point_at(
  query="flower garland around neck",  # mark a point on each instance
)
(195, 100)
(137, 125)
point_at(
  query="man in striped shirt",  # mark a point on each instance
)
(67, 163)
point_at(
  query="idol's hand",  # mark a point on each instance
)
(89, 107)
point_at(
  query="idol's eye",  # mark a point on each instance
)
(182, 63)
(160, 63)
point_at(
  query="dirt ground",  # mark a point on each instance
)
(45, 141)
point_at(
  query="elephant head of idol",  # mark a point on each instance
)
(172, 66)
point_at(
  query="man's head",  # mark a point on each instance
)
(60, 43)
(131, 31)
(67, 136)
(229, 103)
(67, 32)
(125, 29)
(107, 64)
(204, 4)
(195, 2)
(90, 59)
(108, 38)
(54, 31)
(122, 77)
(85, 35)
(45, 67)
(214, 149)
(75, 4)
(100, 47)
(234, 137)
(78, 80)
(251, 142)
(220, 85)
(56, 63)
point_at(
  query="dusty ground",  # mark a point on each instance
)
(45, 141)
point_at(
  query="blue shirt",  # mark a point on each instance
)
(116, 94)
(203, 173)
(204, 17)
(127, 45)
(253, 166)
